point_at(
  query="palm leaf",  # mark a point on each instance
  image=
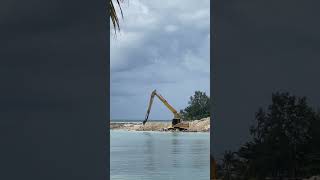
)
(114, 15)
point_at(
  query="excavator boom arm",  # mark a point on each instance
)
(149, 108)
(154, 93)
(175, 113)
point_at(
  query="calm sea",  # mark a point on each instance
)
(159, 155)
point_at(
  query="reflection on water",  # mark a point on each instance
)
(149, 144)
(175, 149)
(159, 155)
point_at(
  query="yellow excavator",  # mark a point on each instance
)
(177, 123)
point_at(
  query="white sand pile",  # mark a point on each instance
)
(202, 125)
(152, 126)
(149, 126)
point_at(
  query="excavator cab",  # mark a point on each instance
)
(175, 121)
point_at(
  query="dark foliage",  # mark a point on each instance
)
(285, 141)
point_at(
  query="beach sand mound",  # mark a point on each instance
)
(149, 126)
(202, 125)
(153, 126)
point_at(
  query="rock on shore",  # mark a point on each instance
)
(202, 125)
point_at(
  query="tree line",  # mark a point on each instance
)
(285, 143)
(198, 107)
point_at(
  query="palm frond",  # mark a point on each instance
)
(114, 15)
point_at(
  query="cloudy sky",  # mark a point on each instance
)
(162, 45)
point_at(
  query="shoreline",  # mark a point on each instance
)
(159, 132)
(202, 125)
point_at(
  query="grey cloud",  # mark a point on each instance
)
(160, 48)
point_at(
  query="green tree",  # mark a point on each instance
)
(283, 138)
(199, 107)
(231, 167)
(312, 163)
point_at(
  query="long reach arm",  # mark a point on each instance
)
(154, 93)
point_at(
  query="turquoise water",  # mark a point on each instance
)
(159, 155)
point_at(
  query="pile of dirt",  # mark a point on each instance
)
(153, 126)
(202, 125)
(150, 126)
(121, 125)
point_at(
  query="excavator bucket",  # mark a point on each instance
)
(146, 119)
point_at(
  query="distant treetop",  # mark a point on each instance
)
(199, 107)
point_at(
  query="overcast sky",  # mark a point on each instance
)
(162, 45)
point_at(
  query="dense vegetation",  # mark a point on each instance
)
(199, 107)
(285, 143)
